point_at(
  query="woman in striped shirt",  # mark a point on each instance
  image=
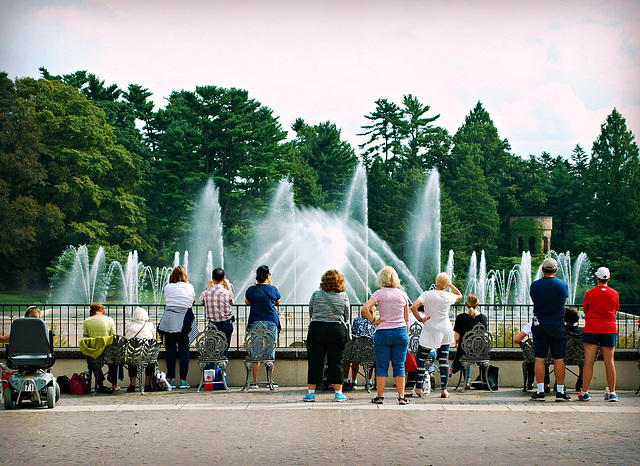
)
(329, 310)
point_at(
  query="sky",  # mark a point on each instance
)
(548, 72)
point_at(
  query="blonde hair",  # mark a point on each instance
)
(33, 311)
(388, 277)
(442, 280)
(472, 303)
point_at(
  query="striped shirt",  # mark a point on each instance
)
(217, 302)
(321, 311)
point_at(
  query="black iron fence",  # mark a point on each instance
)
(505, 321)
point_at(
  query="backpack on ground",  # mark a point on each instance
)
(63, 382)
(78, 385)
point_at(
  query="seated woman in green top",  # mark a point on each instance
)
(99, 325)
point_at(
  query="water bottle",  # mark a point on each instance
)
(606, 393)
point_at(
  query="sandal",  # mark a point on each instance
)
(403, 401)
(378, 400)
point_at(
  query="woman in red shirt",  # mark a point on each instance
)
(600, 307)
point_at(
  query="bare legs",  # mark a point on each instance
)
(400, 383)
(609, 366)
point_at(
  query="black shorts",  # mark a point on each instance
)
(547, 336)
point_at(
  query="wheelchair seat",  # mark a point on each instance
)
(30, 345)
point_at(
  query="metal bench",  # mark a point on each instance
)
(638, 390)
(360, 350)
(573, 357)
(259, 343)
(211, 344)
(113, 354)
(476, 344)
(141, 352)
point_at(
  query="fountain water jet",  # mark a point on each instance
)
(424, 233)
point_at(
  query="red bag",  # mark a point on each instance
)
(77, 385)
(410, 363)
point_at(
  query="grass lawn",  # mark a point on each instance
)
(27, 297)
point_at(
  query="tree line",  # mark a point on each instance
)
(84, 162)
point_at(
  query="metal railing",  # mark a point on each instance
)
(505, 321)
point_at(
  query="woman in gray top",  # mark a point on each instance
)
(329, 310)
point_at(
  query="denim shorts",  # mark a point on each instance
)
(608, 340)
(547, 336)
(390, 344)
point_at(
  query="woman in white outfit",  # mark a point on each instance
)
(437, 331)
(140, 327)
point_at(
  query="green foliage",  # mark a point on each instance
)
(222, 134)
(320, 157)
(83, 161)
(64, 178)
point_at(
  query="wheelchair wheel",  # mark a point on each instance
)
(9, 402)
(57, 391)
(51, 396)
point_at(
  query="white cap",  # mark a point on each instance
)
(603, 273)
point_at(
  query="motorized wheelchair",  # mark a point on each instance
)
(30, 355)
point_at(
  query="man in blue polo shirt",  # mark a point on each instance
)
(549, 295)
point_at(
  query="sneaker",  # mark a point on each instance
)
(172, 384)
(184, 384)
(537, 396)
(275, 385)
(340, 397)
(584, 396)
(310, 397)
(253, 385)
(562, 396)
(613, 397)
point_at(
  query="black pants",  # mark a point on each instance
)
(112, 375)
(325, 339)
(177, 347)
(133, 370)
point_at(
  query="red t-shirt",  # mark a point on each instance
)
(600, 306)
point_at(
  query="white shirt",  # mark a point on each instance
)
(437, 331)
(140, 329)
(180, 294)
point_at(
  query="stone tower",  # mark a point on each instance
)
(531, 234)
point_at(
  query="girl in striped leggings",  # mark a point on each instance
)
(437, 331)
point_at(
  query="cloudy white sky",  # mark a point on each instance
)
(548, 72)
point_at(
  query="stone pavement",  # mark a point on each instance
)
(185, 427)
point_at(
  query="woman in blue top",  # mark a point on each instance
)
(262, 299)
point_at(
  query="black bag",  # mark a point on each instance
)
(493, 374)
(63, 382)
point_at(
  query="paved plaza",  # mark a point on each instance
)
(264, 427)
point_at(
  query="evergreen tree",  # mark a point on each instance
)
(613, 178)
(320, 148)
